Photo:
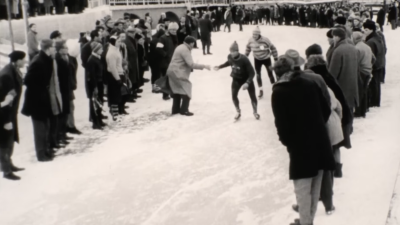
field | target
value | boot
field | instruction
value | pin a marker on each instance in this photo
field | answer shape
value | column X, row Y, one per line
column 16, row 169
column 330, row 211
column 97, row 127
column 187, row 114
column 261, row 94
column 11, row 176
column 338, row 171
column 238, row 115
column 257, row 116
column 295, row 208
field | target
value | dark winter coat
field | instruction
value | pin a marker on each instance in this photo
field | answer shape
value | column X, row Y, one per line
column 347, row 118
column 73, row 65
column 205, row 30
column 86, row 51
column 10, row 79
column 154, row 56
column 228, row 18
column 241, row 68
column 393, row 13
column 37, row 82
column 313, row 17
column 219, row 16
column 94, row 70
column 381, row 17
column 301, row 113
column 64, row 75
column 133, row 62
column 377, row 47
column 341, row 66
column 167, row 44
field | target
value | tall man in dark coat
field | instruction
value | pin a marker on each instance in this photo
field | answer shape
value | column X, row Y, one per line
column 299, row 100
column 381, row 17
column 37, row 103
column 133, row 61
column 166, row 46
column 376, row 44
column 205, row 33
column 154, row 57
column 10, row 94
column 219, row 18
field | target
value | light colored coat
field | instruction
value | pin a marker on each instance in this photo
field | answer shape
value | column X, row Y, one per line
column 334, row 123
column 343, row 66
column 179, row 70
column 114, row 62
column 365, row 56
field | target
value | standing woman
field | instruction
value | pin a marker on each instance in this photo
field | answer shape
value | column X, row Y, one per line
column 115, row 71
column 32, row 41
column 178, row 73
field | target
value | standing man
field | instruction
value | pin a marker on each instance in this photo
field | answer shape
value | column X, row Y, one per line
column 381, row 17
column 262, row 49
column 308, row 142
column 228, row 19
column 37, row 98
column 240, row 17
column 205, row 33
column 10, row 94
column 166, row 46
column 219, row 19
column 33, row 43
column 376, row 44
column 343, row 65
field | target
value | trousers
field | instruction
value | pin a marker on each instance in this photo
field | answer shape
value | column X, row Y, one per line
column 6, row 149
column 267, row 64
column 71, row 117
column 236, row 85
column 41, row 130
column 307, row 194
column 180, row 104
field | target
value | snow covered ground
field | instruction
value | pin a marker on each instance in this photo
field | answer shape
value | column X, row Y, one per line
column 159, row 170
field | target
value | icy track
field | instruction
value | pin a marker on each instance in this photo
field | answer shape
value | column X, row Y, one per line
column 154, row 169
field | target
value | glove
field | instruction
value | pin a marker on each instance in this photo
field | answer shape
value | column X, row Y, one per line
column 7, row 101
column 275, row 59
column 245, row 86
column 8, row 126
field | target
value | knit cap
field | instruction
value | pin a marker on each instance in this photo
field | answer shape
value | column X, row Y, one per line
column 369, row 24
column 339, row 32
column 95, row 46
column 234, row 47
column 257, row 31
column 314, row 49
column 173, row 25
column 59, row 45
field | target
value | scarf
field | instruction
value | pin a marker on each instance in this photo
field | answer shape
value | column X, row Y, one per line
column 55, row 93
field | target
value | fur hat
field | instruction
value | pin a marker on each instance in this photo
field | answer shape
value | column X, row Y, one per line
column 234, row 47
column 283, row 65
column 314, row 49
column 189, row 40
column 173, row 25
column 55, row 34
column 95, row 46
column 339, row 32
column 257, row 31
column 16, row 55
column 295, row 56
column 369, row 24
column 329, row 34
column 60, row 44
column 357, row 36
column 315, row 60
column 341, row 20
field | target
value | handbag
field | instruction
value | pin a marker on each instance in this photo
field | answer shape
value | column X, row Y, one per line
column 163, row 84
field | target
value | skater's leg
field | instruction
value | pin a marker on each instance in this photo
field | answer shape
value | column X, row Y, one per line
column 267, row 63
column 252, row 94
column 235, row 91
column 257, row 67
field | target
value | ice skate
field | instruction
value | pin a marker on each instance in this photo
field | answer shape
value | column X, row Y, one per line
column 331, row 211
column 237, row 117
column 261, row 94
column 257, row 116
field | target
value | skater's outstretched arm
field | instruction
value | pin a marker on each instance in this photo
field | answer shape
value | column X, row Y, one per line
column 226, row 64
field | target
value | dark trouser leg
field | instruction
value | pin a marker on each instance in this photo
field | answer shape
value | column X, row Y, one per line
column 70, row 117
column 257, row 67
column 327, row 190
column 267, row 63
column 252, row 94
column 383, row 75
column 375, row 89
column 41, row 128
column 203, row 45
column 240, row 25
column 155, row 74
column 176, row 103
column 6, row 150
column 185, row 104
column 93, row 113
column 63, row 125
column 54, row 128
column 164, row 73
column 229, row 28
column 394, row 24
column 381, row 26
column 235, row 91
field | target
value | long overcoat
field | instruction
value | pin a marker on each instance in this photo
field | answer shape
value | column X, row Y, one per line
column 179, row 70
column 11, row 79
